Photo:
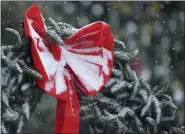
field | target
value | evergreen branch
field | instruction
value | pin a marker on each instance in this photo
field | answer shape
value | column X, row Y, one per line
column 111, row 82
column 54, row 24
column 166, row 97
column 123, row 96
column 65, row 25
column 26, row 110
column 66, row 30
column 137, row 123
column 168, row 119
column 151, row 125
column 125, row 56
column 146, row 107
column 5, row 99
column 117, row 73
column 11, row 64
column 29, row 71
column 119, row 86
column 164, row 132
column 155, row 89
column 157, row 109
column 10, row 115
column 119, row 44
column 88, row 117
column 20, row 77
column 54, row 37
column 143, row 95
column 16, row 33
column 25, row 86
column 15, row 48
column 176, row 130
column 168, row 103
column 20, row 125
column 3, row 129
column 163, row 89
column 145, row 85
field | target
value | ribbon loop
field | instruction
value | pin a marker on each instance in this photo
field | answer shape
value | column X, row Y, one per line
column 86, row 60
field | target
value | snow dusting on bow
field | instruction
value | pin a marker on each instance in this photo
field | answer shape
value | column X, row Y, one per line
column 45, row 55
column 87, row 68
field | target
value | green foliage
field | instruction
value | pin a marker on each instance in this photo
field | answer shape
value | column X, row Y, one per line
column 19, row 93
column 126, row 105
column 129, row 105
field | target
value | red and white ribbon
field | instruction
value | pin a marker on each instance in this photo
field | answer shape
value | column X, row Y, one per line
column 85, row 60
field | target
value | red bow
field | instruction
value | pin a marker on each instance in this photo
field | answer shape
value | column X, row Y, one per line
column 86, row 59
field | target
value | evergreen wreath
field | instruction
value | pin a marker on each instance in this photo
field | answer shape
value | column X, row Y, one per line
column 127, row 104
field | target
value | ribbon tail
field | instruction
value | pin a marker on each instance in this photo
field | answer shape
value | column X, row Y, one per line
column 67, row 114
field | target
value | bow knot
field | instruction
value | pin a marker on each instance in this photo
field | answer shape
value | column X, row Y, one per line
column 85, row 60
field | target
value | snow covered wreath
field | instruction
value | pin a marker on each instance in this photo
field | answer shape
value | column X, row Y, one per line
column 67, row 59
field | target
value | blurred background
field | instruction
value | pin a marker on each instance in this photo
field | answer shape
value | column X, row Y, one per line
column 156, row 28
